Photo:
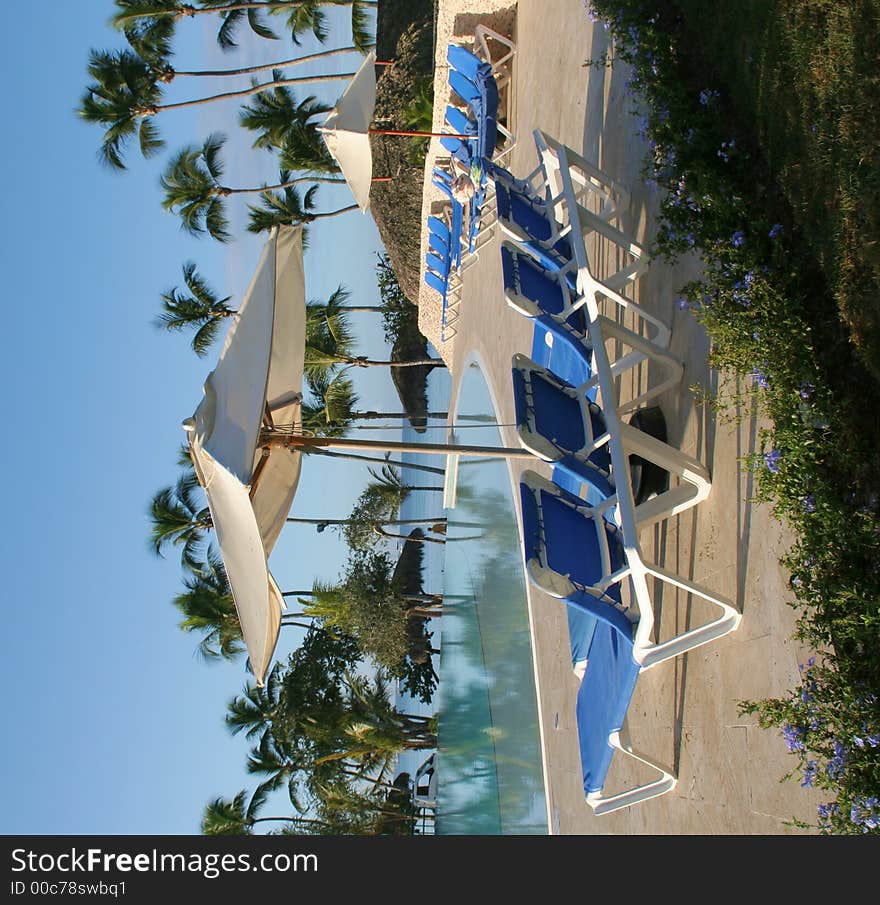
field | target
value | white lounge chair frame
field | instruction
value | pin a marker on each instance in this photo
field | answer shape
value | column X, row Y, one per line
column 695, row 481
column 572, row 301
column 646, row 652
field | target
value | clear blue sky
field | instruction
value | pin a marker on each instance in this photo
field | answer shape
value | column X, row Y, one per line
column 112, row 724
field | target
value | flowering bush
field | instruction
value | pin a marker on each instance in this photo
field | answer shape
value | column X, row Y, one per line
column 765, row 304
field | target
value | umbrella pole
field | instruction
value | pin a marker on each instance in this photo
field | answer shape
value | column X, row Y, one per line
column 419, row 134
column 295, row 440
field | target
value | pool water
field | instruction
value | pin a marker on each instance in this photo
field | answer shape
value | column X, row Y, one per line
column 490, row 777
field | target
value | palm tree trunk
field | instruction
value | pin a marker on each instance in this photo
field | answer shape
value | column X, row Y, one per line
column 281, row 64
column 349, row 521
column 338, row 180
column 185, row 9
column 376, row 416
column 421, row 540
column 341, row 210
column 242, row 92
column 363, row 362
column 427, row 612
column 431, row 469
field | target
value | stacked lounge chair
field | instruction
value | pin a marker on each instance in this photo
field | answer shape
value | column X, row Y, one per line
column 580, row 527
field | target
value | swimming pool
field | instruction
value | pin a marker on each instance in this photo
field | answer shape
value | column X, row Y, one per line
column 490, row 777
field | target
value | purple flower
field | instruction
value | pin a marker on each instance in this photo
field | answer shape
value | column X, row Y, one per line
column 681, row 304
column 760, row 378
column 811, row 769
column 827, row 810
column 873, row 741
column 775, row 230
column 793, row 737
column 771, row 460
column 707, row 96
column 806, row 390
column 738, row 238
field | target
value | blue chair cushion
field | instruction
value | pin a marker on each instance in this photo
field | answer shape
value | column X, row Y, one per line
column 437, row 264
column 466, row 90
column 603, row 699
column 517, row 208
column 581, row 626
column 438, row 228
column 437, row 245
column 568, row 357
column 460, row 122
column 572, row 546
column 463, row 60
column 436, row 282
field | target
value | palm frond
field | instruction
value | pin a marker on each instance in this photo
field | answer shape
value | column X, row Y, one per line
column 148, row 138
column 211, row 149
column 258, row 26
column 360, row 35
column 230, row 20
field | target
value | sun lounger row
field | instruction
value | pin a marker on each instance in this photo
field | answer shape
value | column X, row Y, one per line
column 580, row 528
column 472, row 140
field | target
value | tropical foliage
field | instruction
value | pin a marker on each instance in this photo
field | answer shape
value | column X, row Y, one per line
column 740, row 150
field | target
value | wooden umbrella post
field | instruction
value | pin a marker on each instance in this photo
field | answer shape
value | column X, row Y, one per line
column 418, row 134
column 299, row 441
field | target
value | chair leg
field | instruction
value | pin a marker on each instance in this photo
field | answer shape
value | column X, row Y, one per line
column 650, row 654
column 695, row 485
column 602, row 804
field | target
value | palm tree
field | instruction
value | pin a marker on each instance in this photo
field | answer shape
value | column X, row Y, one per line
column 332, row 413
column 200, row 309
column 178, row 520
column 389, row 483
column 208, row 607
column 256, row 710
column 302, row 16
column 286, row 208
column 237, row 817
column 126, row 94
column 193, row 191
column 273, row 114
column 330, row 341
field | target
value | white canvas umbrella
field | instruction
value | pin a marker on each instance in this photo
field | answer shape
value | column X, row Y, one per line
column 257, row 382
column 346, row 131
column 246, row 438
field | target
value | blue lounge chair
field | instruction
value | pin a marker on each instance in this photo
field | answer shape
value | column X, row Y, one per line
column 564, row 350
column 456, row 227
column 438, row 246
column 534, row 223
column 574, row 553
column 533, row 288
column 438, row 228
column 466, row 90
column 531, row 225
column 462, row 60
column 557, row 423
column 440, row 276
column 562, row 424
column 460, row 122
